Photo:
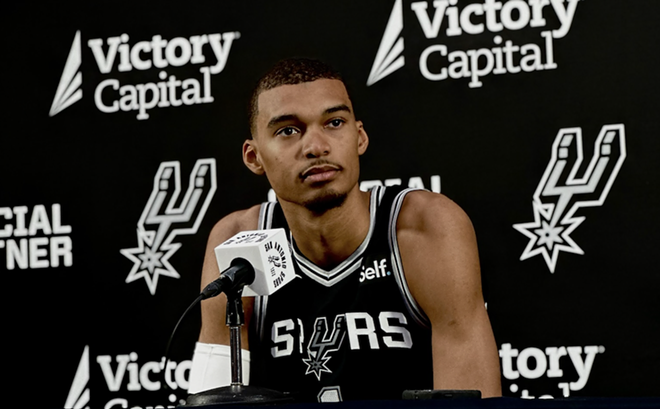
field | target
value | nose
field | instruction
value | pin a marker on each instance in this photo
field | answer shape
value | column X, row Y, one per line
column 315, row 144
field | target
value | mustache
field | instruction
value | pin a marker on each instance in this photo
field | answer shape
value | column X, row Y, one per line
column 318, row 162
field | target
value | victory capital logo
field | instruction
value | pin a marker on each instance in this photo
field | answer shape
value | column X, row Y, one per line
column 160, row 85
column 561, row 193
column 490, row 25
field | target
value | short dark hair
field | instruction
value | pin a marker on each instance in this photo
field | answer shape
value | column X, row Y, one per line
column 290, row 71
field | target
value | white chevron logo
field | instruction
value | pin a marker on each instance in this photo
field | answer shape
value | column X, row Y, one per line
column 79, row 393
column 389, row 57
column 68, row 90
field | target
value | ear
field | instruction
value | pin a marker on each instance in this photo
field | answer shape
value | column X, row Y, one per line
column 363, row 138
column 251, row 158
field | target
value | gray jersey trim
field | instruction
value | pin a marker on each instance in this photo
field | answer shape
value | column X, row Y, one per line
column 261, row 302
column 266, row 215
column 412, row 306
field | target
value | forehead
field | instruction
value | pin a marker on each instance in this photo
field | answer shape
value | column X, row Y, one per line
column 304, row 99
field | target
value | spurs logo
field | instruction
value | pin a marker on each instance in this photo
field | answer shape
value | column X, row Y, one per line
column 322, row 343
column 560, row 194
column 162, row 220
column 275, row 260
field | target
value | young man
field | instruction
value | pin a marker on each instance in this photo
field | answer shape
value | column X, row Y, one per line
column 389, row 290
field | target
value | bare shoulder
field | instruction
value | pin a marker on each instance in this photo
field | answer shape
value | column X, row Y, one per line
column 433, row 213
column 439, row 252
column 234, row 223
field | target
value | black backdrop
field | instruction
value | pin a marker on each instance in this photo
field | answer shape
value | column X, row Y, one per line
column 75, row 180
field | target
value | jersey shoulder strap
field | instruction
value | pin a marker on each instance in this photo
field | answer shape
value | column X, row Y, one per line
column 397, row 196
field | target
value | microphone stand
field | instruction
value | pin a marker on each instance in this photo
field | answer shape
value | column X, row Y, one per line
column 236, row 393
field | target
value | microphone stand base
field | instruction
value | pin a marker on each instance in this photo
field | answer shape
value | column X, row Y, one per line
column 236, row 395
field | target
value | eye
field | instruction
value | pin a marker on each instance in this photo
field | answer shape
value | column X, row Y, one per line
column 287, row 131
column 336, row 123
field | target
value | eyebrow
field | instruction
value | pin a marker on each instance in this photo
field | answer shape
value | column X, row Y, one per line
column 292, row 117
column 338, row 108
column 282, row 118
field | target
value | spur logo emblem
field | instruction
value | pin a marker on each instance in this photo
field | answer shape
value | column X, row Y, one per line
column 561, row 193
column 322, row 343
column 162, row 220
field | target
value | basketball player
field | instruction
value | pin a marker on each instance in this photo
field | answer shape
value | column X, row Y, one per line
column 388, row 294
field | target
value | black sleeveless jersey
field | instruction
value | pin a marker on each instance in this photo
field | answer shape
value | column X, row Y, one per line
column 354, row 332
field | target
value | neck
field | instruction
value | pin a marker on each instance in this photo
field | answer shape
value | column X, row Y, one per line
column 331, row 237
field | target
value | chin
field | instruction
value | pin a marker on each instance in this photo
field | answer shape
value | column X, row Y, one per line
column 326, row 201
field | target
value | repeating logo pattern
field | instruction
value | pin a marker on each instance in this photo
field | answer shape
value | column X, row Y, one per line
column 442, row 19
column 117, row 54
column 560, row 364
column 561, row 193
column 124, row 375
column 162, row 221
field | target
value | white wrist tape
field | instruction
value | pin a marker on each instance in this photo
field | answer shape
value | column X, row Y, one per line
column 211, row 367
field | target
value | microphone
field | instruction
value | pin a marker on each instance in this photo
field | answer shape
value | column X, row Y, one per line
column 233, row 278
column 260, row 260
column 260, row 264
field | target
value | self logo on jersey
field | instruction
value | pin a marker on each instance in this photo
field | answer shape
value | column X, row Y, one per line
column 160, row 86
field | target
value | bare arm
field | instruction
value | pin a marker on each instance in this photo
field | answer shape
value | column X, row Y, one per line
column 214, row 330
column 439, row 253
